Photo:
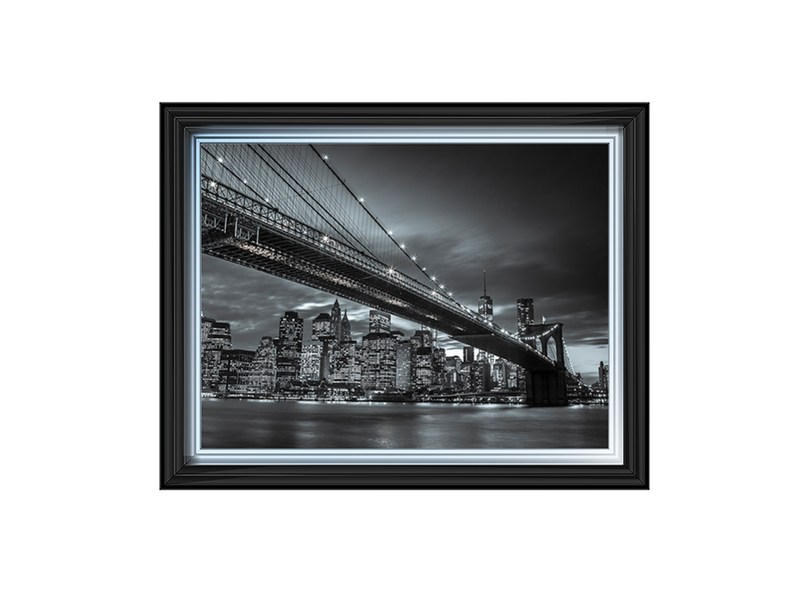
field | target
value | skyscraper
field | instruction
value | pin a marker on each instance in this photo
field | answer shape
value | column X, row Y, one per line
column 289, row 348
column 403, row 365
column 485, row 307
column 238, row 374
column 311, row 360
column 499, row 374
column 422, row 361
column 439, row 375
column 216, row 337
column 452, row 371
column 335, row 317
column 379, row 371
column 524, row 314
column 344, row 366
column 346, row 329
column 468, row 354
column 603, row 375
column 265, row 366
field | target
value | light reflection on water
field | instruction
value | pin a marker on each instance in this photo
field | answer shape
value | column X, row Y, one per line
column 309, row 424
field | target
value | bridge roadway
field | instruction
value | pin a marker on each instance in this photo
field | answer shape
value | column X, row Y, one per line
column 247, row 231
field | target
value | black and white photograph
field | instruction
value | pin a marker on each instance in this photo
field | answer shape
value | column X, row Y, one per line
column 405, row 296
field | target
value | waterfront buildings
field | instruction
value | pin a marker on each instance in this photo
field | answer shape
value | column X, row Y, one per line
column 331, row 358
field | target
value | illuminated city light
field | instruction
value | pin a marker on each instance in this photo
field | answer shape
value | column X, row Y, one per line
column 390, row 232
column 414, row 258
column 402, row 245
column 442, row 286
column 213, row 184
column 220, row 159
column 362, row 200
column 325, row 156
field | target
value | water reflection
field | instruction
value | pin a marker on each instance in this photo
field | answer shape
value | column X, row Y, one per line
column 262, row 424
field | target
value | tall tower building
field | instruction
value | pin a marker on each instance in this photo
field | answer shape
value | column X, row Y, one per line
column 403, row 365
column 346, row 329
column 216, row 339
column 422, row 365
column 311, row 360
column 344, row 366
column 335, row 317
column 289, row 349
column 524, row 314
column 439, row 367
column 265, row 366
column 485, row 307
column 603, row 375
column 468, row 354
column 379, row 371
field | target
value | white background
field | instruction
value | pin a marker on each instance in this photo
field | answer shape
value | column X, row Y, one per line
column 84, row 519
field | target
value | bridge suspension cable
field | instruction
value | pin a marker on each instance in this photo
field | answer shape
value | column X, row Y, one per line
column 567, row 355
column 396, row 243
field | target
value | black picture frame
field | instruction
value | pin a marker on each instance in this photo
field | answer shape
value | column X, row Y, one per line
column 178, row 124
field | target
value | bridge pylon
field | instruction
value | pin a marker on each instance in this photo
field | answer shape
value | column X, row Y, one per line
column 546, row 388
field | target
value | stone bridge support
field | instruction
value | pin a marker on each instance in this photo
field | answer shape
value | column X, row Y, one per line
column 546, row 388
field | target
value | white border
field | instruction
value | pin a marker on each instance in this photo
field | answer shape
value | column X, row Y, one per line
column 613, row 455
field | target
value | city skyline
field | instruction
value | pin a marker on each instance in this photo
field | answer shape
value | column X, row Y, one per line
column 533, row 217
column 382, row 360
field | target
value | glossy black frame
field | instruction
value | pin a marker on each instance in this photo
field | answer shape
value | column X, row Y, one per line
column 178, row 121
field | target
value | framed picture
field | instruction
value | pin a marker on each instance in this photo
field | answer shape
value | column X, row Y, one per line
column 404, row 296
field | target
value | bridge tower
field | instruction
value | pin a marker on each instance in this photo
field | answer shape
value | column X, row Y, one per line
column 546, row 387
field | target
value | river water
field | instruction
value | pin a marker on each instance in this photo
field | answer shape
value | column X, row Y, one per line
column 230, row 423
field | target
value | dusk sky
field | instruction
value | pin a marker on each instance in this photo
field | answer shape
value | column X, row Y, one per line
column 533, row 216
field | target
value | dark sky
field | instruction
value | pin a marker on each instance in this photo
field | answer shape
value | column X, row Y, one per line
column 533, row 216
